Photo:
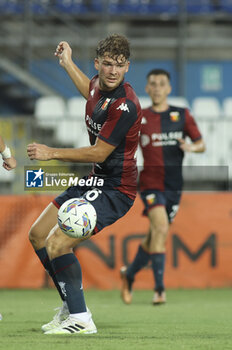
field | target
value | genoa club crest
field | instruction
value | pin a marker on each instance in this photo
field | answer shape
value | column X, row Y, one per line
column 174, row 116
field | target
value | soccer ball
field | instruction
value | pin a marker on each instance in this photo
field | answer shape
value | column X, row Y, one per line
column 77, row 218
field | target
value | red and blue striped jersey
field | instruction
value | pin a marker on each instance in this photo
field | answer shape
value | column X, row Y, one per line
column 160, row 147
column 115, row 117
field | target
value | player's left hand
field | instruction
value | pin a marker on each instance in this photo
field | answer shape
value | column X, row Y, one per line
column 186, row 147
column 39, row 151
column 9, row 163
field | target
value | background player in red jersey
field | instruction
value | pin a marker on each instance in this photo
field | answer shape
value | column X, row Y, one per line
column 163, row 144
column 113, row 120
column 9, row 161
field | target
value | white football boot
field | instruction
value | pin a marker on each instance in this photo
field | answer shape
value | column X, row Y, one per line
column 74, row 326
column 59, row 317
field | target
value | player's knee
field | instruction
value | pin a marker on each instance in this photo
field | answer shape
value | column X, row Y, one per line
column 55, row 247
column 159, row 236
column 163, row 231
column 34, row 236
column 160, row 230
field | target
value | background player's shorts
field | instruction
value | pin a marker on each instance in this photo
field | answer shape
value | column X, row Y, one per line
column 169, row 199
column 110, row 204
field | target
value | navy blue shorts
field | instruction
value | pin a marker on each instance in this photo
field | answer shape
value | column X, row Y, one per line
column 169, row 199
column 110, row 204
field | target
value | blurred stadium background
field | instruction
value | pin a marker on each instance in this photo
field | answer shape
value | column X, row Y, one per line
column 38, row 102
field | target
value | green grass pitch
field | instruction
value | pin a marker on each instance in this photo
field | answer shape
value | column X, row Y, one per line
column 191, row 320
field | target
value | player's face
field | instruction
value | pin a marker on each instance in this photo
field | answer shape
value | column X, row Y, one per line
column 158, row 88
column 111, row 72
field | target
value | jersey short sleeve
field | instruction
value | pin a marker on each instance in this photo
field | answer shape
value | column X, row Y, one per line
column 122, row 115
column 191, row 128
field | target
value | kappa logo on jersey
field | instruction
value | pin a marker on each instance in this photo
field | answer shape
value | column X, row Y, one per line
column 34, row 178
column 92, row 92
column 105, row 104
column 123, row 107
column 174, row 116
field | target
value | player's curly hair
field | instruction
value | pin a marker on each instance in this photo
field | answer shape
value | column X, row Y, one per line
column 114, row 45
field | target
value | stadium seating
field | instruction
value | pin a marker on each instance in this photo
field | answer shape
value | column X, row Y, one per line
column 76, row 107
column 67, row 120
column 178, row 101
column 116, row 7
column 227, row 107
column 120, row 6
column 49, row 110
column 72, row 133
column 139, row 6
column 226, row 5
column 217, row 142
column 163, row 6
column 41, row 7
column 206, row 107
column 208, row 114
column 199, row 6
column 71, row 6
column 97, row 6
column 11, row 7
column 228, row 141
column 66, row 133
column 71, row 130
column 6, row 176
column 145, row 101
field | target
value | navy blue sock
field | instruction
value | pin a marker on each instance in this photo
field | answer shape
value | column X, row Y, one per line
column 141, row 259
column 67, row 270
column 43, row 256
column 158, row 263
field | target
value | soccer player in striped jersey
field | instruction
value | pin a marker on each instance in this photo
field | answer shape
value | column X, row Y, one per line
column 163, row 145
column 113, row 121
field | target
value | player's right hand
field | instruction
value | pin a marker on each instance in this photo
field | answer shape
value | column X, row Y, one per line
column 39, row 152
column 64, row 53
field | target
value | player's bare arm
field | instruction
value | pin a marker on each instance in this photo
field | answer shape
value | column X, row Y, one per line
column 2, row 144
column 9, row 161
column 196, row 147
column 81, row 81
column 91, row 154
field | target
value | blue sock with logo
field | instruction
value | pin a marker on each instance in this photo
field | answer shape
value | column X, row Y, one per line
column 67, row 270
column 158, row 264
column 141, row 259
column 43, row 257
